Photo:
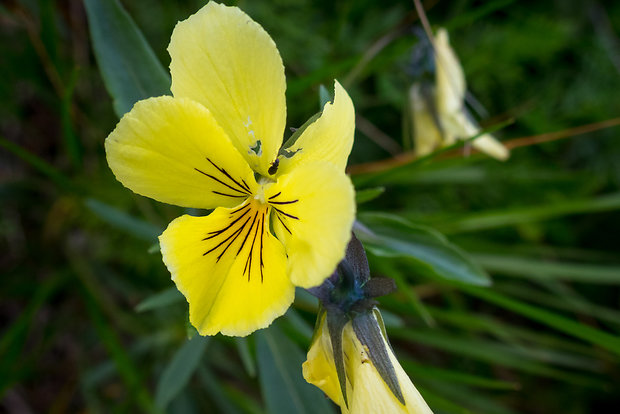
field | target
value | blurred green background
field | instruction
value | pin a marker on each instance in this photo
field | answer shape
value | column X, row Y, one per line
column 90, row 321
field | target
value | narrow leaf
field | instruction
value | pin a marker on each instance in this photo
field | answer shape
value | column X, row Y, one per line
column 390, row 236
column 576, row 329
column 129, row 68
column 159, row 300
column 246, row 358
column 123, row 221
column 282, row 384
column 368, row 194
column 179, row 370
column 523, row 266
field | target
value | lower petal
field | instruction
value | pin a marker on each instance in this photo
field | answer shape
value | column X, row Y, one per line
column 230, row 269
column 462, row 127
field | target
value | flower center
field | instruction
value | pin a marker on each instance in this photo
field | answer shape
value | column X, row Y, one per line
column 263, row 184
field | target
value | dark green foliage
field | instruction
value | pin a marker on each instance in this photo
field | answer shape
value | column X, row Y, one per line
column 88, row 318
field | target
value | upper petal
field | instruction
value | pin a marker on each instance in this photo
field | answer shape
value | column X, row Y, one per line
column 230, row 269
column 226, row 61
column 172, row 150
column 329, row 138
column 313, row 208
column 449, row 75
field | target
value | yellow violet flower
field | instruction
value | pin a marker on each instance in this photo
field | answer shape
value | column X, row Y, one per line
column 367, row 392
column 447, row 121
column 278, row 221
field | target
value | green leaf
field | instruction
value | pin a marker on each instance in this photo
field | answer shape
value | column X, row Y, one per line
column 536, row 268
column 123, row 221
column 129, row 68
column 282, row 384
column 159, row 300
column 570, row 303
column 124, row 364
column 418, row 370
column 491, row 352
column 578, row 330
column 295, row 136
column 390, row 236
column 507, row 217
column 217, row 394
column 38, row 164
column 246, row 357
column 179, row 370
column 368, row 194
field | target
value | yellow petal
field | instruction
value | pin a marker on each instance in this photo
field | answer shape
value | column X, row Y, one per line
column 426, row 134
column 230, row 269
column 313, row 211
column 459, row 125
column 450, row 95
column 367, row 392
column 489, row 145
column 329, row 138
column 319, row 369
column 226, row 61
column 172, row 150
column 449, row 76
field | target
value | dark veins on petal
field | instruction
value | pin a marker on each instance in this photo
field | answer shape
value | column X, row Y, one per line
column 245, row 221
column 239, row 188
column 280, row 214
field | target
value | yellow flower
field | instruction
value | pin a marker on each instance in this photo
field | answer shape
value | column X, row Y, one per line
column 280, row 221
column 439, row 116
column 367, row 392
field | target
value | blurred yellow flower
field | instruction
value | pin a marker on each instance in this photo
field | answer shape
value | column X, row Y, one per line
column 280, row 221
column 438, row 113
column 367, row 392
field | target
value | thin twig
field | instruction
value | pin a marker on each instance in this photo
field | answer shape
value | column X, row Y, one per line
column 46, row 61
column 399, row 30
column 407, row 157
column 566, row 133
column 377, row 136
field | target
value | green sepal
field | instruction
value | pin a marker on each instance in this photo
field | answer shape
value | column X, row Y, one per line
column 369, row 334
column 379, row 286
column 293, row 138
column 335, row 325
